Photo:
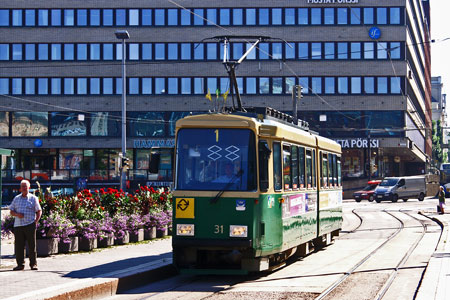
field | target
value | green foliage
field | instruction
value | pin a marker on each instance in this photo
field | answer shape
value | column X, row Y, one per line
column 438, row 154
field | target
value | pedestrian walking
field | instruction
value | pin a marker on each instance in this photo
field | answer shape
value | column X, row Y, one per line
column 27, row 211
column 441, row 200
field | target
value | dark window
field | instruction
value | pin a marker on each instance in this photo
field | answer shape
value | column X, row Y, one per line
column 381, row 15
column 238, row 16
column 263, row 16
column 107, row 17
column 382, row 85
column 69, row 17
column 224, row 16
column 250, row 16
column 133, row 17
column 342, row 16
column 342, row 85
column 108, row 51
column 172, row 51
column 330, row 85
column 172, row 86
column 94, row 17
column 276, row 16
column 185, row 17
column 199, row 16
column 43, row 51
column 369, row 85
column 30, row 51
column 368, row 15
column 30, row 17
column 301, row 167
column 146, row 17
column 172, row 17
column 16, row 18
column 316, row 85
column 211, row 16
column 94, row 86
column 328, row 16
column 43, row 17
column 17, row 53
column 289, row 16
column 4, row 51
column 4, row 17
column 107, row 86
column 43, row 86
column 342, row 51
column 329, row 50
column 309, row 170
column 394, row 15
column 355, row 49
column 56, row 52
column 120, row 17
column 355, row 15
column 81, row 17
column 303, row 16
column 56, row 17
column 185, row 51
column 316, row 16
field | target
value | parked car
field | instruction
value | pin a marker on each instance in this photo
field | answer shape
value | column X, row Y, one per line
column 394, row 188
column 367, row 192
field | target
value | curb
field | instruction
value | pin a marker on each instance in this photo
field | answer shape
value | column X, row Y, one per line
column 429, row 287
column 105, row 285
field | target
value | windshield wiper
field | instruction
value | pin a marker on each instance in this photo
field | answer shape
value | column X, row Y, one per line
column 219, row 194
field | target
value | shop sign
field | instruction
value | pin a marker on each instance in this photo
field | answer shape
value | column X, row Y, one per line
column 358, row 143
column 147, row 144
column 333, row 1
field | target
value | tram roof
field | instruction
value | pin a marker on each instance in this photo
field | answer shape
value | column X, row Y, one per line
column 269, row 127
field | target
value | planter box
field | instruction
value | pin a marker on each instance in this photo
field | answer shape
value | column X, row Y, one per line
column 150, row 233
column 46, row 247
column 137, row 237
column 161, row 232
column 122, row 241
column 68, row 247
column 106, row 242
column 85, row 244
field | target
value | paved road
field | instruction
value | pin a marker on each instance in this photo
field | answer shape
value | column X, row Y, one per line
column 391, row 246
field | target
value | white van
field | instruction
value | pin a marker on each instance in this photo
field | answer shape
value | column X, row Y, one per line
column 407, row 187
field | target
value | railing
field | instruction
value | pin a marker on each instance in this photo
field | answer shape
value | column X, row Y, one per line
column 73, row 174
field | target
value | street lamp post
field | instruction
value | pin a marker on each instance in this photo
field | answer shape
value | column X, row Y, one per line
column 123, row 35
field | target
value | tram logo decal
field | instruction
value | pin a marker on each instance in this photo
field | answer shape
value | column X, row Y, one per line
column 214, row 153
column 184, row 208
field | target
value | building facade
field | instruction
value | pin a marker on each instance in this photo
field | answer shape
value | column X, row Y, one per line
column 364, row 67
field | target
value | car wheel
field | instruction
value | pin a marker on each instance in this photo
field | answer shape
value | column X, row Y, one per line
column 404, row 200
column 421, row 196
column 358, row 200
column 371, row 198
column 395, row 198
column 378, row 200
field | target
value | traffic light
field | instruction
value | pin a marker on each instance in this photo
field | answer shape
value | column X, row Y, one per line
column 125, row 162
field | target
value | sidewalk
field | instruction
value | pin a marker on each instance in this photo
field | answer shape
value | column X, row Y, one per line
column 87, row 275
column 436, row 281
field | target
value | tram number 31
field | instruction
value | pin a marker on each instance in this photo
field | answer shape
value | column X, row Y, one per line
column 218, row 229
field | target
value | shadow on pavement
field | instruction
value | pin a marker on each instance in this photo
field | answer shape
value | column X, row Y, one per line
column 100, row 270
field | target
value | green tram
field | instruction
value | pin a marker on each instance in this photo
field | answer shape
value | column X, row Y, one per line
column 251, row 190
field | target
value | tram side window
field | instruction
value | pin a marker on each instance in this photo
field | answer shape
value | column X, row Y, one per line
column 301, row 163
column 324, row 170
column 277, row 182
column 339, row 178
column 330, row 170
column 264, row 154
column 334, row 168
column 309, row 172
column 287, row 167
column 294, row 167
column 314, row 168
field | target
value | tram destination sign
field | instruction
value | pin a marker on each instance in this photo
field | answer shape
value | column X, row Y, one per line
column 358, row 143
column 333, row 1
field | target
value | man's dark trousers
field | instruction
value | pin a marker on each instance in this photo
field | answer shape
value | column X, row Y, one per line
column 22, row 234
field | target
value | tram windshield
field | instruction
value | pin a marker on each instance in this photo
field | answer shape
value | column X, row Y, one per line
column 215, row 159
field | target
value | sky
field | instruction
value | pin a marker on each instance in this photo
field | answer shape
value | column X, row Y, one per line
column 440, row 51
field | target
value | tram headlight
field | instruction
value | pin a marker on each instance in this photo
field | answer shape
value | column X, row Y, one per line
column 185, row 229
column 238, row 231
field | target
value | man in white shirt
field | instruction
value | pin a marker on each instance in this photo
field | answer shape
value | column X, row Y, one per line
column 26, row 211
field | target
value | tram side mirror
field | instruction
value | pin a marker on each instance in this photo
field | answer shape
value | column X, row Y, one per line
column 264, row 154
column 154, row 163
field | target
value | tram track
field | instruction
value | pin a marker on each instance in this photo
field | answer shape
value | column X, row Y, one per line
column 392, row 276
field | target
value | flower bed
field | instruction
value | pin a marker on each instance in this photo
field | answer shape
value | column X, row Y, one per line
column 100, row 214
